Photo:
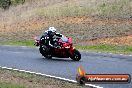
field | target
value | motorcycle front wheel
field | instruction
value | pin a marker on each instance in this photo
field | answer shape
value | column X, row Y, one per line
column 76, row 55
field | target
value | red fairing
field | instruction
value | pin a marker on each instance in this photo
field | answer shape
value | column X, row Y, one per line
column 71, row 51
column 65, row 44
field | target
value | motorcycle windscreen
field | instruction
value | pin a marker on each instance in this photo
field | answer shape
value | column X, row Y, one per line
column 64, row 39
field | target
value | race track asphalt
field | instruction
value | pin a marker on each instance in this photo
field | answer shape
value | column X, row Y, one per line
column 94, row 63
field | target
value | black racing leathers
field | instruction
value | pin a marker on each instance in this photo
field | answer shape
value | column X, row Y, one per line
column 48, row 41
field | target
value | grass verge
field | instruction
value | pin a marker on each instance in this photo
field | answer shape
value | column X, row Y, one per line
column 13, row 79
column 18, row 43
column 107, row 48
column 9, row 85
column 124, row 49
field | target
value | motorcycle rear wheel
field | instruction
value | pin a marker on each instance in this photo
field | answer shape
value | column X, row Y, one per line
column 48, row 56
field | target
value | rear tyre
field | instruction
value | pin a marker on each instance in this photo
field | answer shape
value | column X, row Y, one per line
column 76, row 55
column 43, row 52
column 49, row 56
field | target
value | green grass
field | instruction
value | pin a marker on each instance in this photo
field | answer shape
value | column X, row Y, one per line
column 19, row 43
column 9, row 85
column 125, row 49
column 108, row 48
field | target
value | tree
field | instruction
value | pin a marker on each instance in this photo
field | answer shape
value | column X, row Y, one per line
column 5, row 4
column 19, row 1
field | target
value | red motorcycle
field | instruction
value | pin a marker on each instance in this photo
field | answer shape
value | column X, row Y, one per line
column 65, row 50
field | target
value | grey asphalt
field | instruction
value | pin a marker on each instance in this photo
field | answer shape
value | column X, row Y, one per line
column 94, row 63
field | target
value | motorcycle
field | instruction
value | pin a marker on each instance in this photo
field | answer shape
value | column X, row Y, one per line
column 65, row 49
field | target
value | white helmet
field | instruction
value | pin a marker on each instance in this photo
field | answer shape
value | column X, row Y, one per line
column 52, row 29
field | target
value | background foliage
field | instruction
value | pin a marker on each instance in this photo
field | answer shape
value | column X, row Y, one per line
column 5, row 4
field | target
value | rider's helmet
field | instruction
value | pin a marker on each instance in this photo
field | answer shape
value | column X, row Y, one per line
column 51, row 31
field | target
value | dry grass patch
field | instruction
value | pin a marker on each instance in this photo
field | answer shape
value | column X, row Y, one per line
column 33, row 81
column 78, row 27
column 122, row 40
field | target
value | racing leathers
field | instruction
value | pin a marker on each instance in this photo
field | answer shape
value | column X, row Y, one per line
column 48, row 42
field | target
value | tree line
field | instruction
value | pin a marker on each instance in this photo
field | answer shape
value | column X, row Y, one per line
column 5, row 4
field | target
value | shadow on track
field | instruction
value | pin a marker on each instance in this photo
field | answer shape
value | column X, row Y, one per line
column 60, row 59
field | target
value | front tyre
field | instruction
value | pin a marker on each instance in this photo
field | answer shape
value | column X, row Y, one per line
column 76, row 56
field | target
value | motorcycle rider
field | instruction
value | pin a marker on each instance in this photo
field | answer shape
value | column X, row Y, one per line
column 47, row 39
